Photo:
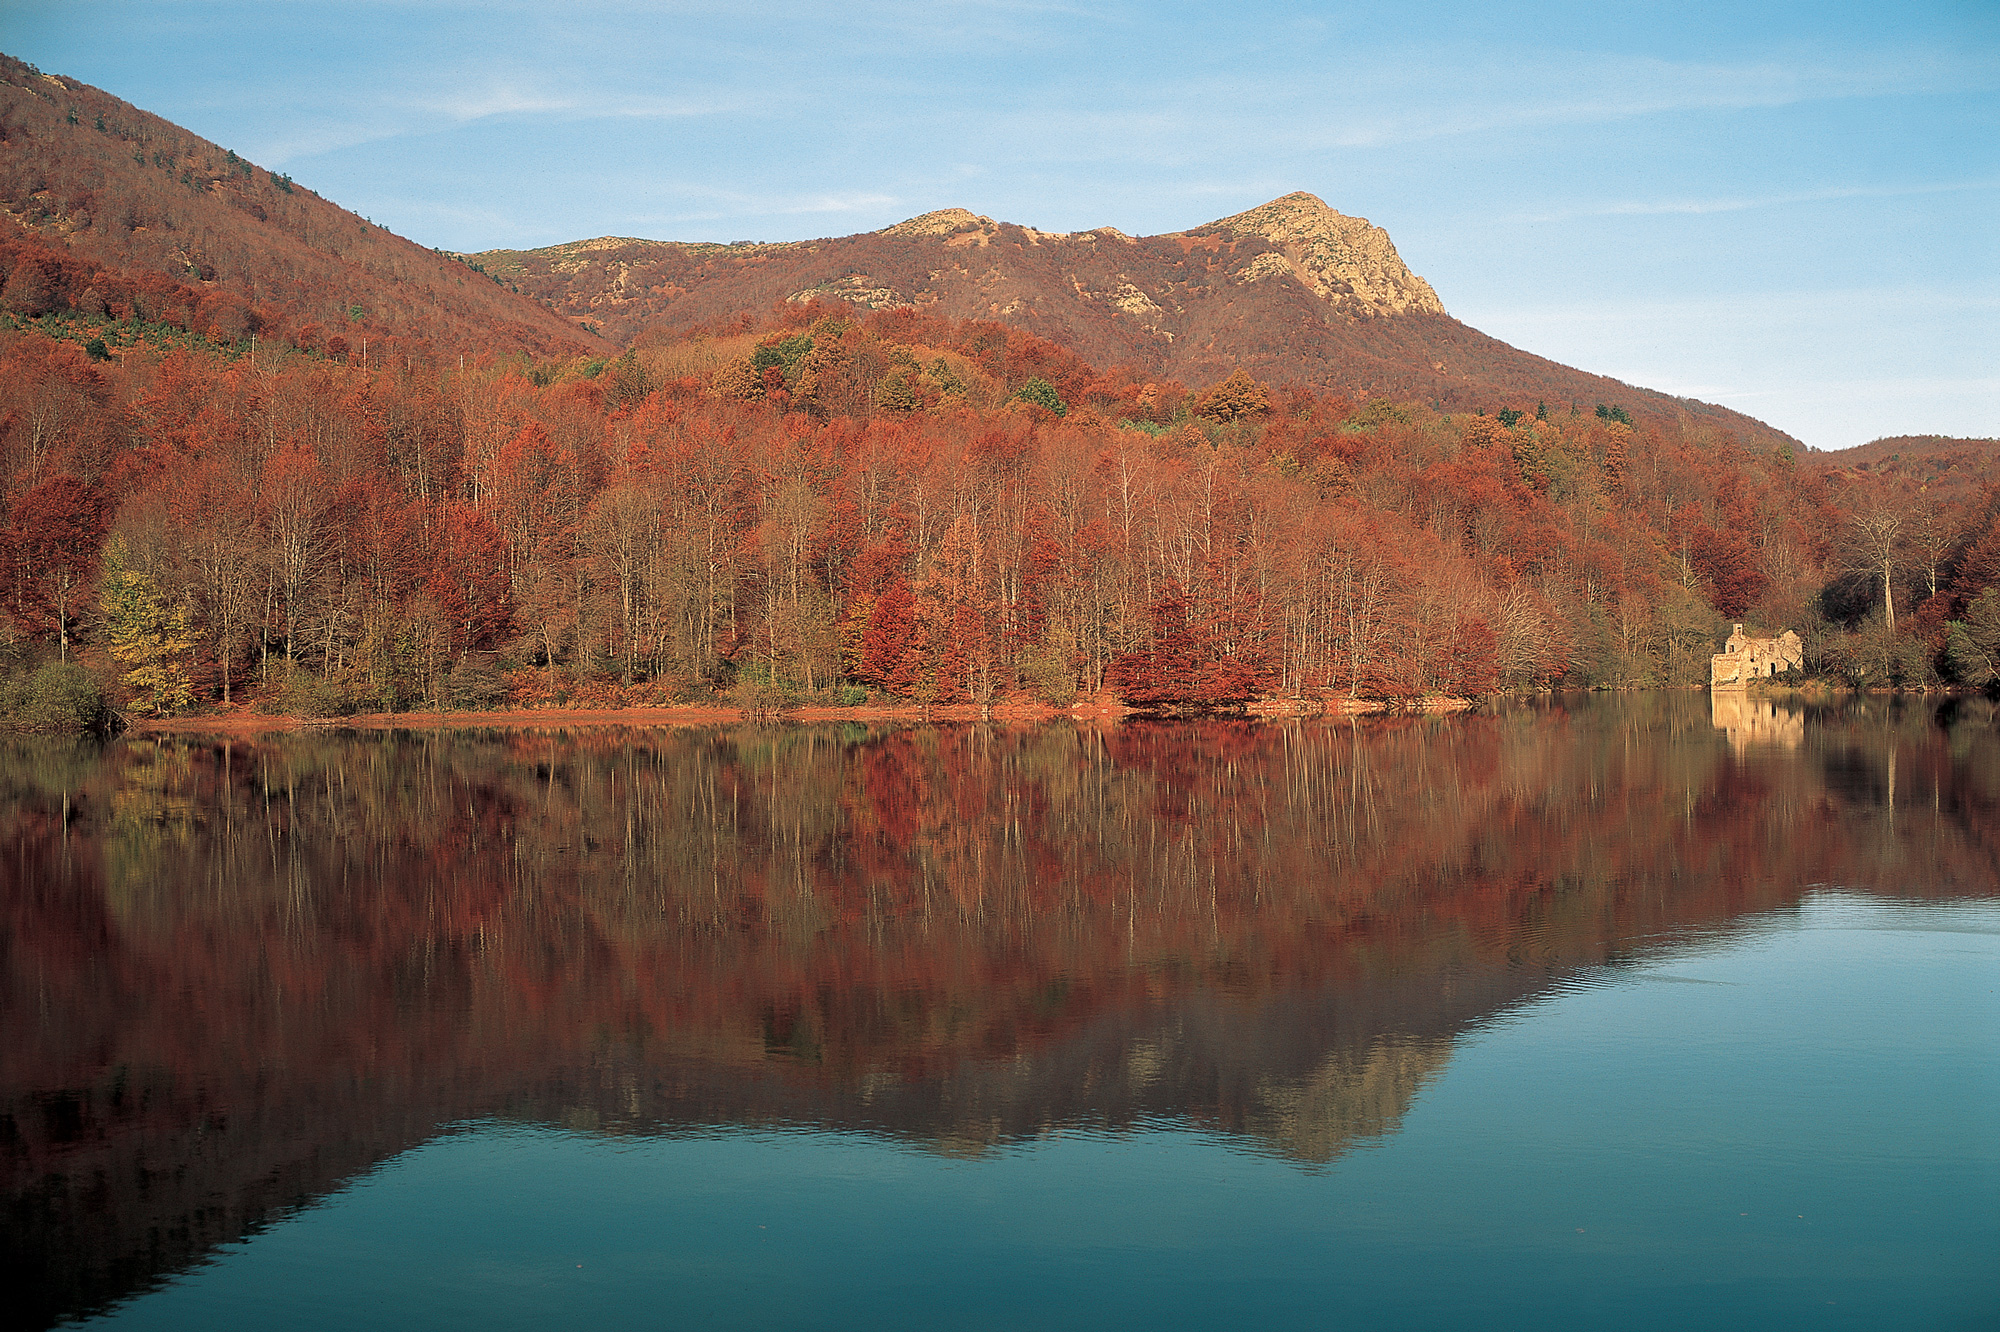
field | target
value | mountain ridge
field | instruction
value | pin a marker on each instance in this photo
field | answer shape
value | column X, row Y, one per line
column 1291, row 290
column 125, row 190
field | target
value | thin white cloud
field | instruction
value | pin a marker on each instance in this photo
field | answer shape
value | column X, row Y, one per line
column 1293, row 109
column 301, row 141
column 496, row 99
column 483, row 103
column 1728, row 204
column 841, row 203
column 382, row 119
column 1598, row 88
column 436, row 211
column 665, row 108
column 1762, row 308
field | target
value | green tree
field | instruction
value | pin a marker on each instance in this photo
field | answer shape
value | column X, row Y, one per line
column 1973, row 644
column 894, row 392
column 58, row 696
column 1043, row 394
column 149, row 639
column 948, row 383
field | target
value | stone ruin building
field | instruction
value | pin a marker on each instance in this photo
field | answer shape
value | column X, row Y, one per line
column 1744, row 659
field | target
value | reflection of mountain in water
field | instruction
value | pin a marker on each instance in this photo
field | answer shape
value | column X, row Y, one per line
column 1347, row 1100
column 1303, row 1078
column 237, row 975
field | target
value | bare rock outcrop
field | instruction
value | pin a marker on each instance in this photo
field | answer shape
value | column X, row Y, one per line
column 1345, row 260
column 941, row 222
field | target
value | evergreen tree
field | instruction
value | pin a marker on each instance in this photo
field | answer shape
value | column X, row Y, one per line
column 1043, row 394
column 894, row 392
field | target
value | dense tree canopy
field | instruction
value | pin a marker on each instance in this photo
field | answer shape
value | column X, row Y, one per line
column 824, row 503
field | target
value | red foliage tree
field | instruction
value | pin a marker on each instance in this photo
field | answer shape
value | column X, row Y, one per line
column 50, row 552
column 1475, row 659
column 466, row 580
column 1729, row 567
column 889, row 656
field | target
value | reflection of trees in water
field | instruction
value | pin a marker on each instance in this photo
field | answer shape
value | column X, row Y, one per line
column 237, row 972
column 1923, row 780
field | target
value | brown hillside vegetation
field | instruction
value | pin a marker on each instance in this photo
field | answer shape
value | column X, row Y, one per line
column 1293, row 292
column 1935, row 462
column 110, row 187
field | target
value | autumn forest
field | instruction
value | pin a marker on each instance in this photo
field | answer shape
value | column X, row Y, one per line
column 216, row 501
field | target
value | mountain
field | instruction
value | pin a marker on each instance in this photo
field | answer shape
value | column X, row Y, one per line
column 119, row 213
column 1293, row 291
column 105, row 199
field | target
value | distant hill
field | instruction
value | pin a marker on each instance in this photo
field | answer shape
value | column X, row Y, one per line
column 1939, row 463
column 1294, row 291
column 124, row 191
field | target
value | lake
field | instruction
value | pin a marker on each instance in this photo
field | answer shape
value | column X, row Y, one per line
column 1639, row 1011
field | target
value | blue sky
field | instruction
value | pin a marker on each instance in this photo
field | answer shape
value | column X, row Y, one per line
column 1792, row 209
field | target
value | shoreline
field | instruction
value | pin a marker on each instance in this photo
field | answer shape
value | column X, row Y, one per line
column 706, row 714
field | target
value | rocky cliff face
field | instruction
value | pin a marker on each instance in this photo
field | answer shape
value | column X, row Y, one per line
column 1345, row 260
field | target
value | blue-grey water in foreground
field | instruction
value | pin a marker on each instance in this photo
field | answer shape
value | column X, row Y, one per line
column 1799, row 1126
column 1608, row 1015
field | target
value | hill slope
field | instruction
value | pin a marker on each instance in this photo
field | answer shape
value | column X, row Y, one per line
column 1292, row 290
column 1939, row 463
column 124, row 190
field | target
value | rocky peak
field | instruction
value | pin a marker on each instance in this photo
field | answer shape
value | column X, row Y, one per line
column 1347, row 260
column 943, row 222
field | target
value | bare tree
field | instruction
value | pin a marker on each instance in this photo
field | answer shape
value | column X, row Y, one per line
column 621, row 534
column 1935, row 529
column 1875, row 542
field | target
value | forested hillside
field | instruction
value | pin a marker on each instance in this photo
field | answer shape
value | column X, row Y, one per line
column 1934, row 462
column 120, row 215
column 819, row 507
column 1293, row 292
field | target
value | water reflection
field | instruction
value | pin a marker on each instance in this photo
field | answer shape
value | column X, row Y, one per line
column 1751, row 721
column 236, row 974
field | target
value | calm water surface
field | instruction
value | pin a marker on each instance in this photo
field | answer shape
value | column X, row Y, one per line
column 1608, row 1013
